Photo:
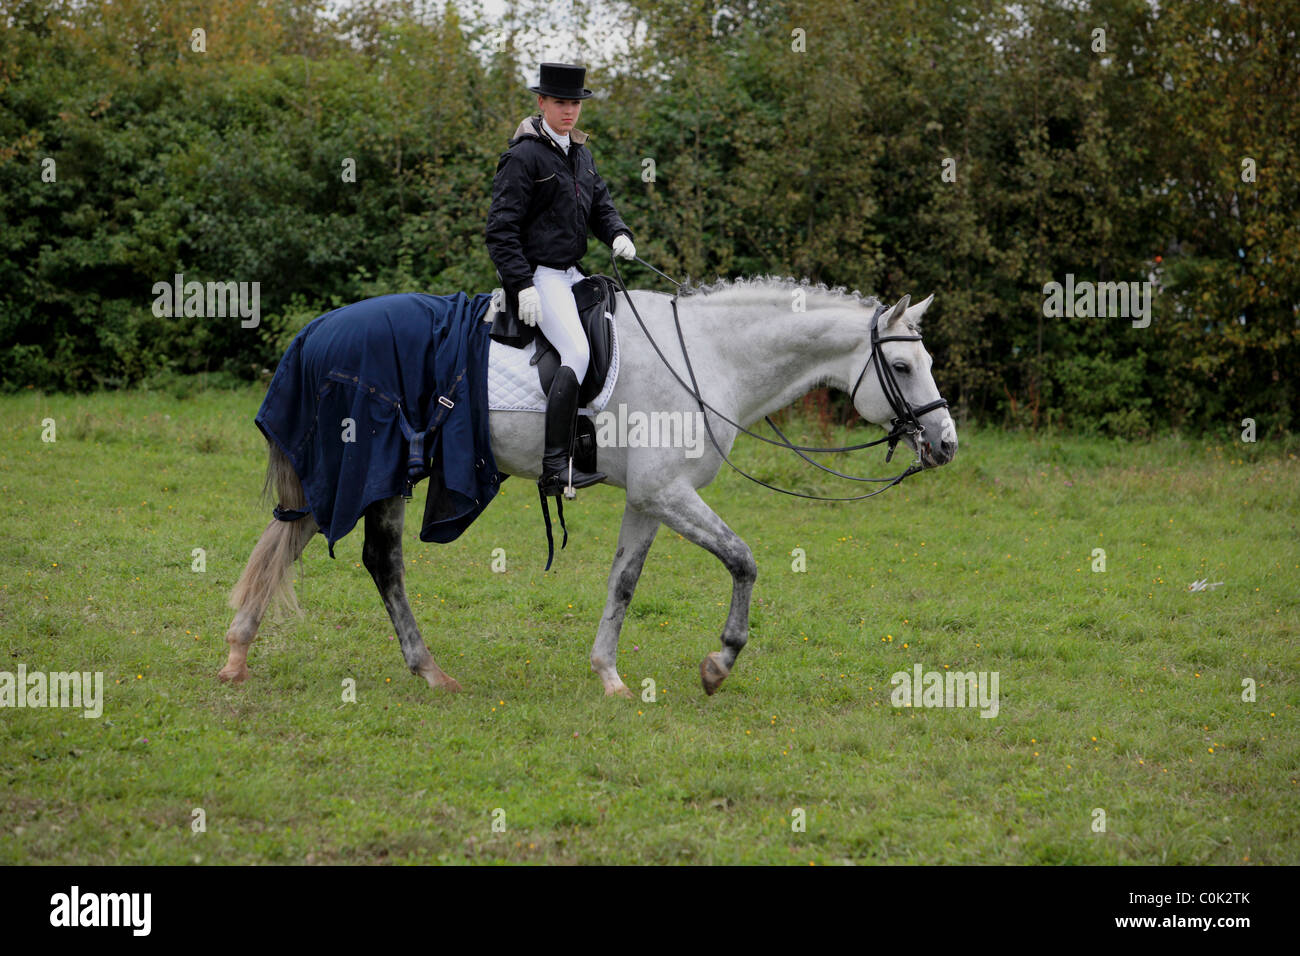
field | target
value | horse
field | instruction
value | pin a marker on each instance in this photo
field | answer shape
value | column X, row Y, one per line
column 749, row 347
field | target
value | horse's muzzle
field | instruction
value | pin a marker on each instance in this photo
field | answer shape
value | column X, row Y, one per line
column 932, row 457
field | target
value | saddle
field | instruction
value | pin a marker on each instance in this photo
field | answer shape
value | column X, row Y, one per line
column 595, row 295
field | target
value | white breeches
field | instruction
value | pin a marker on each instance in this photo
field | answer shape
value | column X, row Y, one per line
column 559, row 321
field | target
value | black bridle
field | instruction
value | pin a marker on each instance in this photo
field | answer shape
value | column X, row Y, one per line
column 905, row 422
column 906, row 417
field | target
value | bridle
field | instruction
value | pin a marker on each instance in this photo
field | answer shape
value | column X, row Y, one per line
column 904, row 424
column 906, row 417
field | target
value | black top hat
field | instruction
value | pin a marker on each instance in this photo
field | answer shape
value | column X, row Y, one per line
column 562, row 81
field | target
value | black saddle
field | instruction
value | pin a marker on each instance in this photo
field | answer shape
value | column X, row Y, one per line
column 594, row 296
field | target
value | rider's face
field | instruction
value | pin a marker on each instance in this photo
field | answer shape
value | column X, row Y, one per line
column 560, row 115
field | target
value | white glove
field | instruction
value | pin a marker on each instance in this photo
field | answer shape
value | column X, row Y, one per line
column 623, row 246
column 530, row 306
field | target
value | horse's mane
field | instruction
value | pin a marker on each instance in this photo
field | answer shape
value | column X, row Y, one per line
column 819, row 295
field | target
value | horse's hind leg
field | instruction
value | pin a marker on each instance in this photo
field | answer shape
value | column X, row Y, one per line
column 267, row 575
column 682, row 509
column 382, row 556
column 634, row 540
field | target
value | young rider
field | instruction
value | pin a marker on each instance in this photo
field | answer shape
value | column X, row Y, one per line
column 545, row 197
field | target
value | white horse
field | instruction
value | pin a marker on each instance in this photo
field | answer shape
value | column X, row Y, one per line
column 752, row 353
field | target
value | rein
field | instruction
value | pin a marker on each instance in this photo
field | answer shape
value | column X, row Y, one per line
column 904, row 423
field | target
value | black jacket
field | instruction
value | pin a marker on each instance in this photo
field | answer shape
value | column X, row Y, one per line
column 543, row 203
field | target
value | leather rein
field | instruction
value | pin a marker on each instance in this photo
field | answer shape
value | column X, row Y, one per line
column 905, row 422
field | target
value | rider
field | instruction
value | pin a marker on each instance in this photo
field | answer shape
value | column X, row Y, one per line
column 545, row 196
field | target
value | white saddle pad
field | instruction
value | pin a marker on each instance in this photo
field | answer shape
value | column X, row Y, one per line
column 513, row 385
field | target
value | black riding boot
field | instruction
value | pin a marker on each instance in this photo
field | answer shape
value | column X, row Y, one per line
column 558, row 474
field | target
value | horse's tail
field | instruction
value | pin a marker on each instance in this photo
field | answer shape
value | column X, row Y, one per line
column 268, row 575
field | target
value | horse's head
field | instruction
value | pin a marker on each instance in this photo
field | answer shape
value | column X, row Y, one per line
column 907, row 397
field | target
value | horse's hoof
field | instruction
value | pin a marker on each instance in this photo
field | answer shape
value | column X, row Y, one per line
column 712, row 672
column 233, row 675
column 439, row 680
column 619, row 691
column 435, row 676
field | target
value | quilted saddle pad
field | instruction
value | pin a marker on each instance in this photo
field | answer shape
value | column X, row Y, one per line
column 513, row 384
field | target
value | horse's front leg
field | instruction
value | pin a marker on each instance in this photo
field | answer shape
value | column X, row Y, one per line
column 382, row 556
column 634, row 540
column 682, row 509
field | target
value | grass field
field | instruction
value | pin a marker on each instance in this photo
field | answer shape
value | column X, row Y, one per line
column 1120, row 691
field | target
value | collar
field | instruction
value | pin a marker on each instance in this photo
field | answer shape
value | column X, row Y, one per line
column 531, row 126
column 563, row 141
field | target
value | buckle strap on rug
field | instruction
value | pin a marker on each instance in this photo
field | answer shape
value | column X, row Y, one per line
column 417, row 461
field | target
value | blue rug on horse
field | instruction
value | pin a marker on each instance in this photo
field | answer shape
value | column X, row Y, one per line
column 375, row 396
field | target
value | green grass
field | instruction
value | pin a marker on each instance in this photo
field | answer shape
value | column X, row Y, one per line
column 1119, row 690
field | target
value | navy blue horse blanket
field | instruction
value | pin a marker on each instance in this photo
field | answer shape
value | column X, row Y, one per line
column 375, row 396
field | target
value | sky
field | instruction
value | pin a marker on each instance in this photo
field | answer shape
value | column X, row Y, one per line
column 549, row 40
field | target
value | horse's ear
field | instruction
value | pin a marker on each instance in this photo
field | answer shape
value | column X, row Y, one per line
column 913, row 315
column 896, row 313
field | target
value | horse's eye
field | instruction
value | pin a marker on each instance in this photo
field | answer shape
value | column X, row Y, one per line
column 901, row 367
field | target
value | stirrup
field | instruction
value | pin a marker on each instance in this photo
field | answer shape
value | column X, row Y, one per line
column 561, row 483
column 570, row 492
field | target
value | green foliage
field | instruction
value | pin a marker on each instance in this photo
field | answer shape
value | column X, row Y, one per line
column 797, row 137
column 1100, row 393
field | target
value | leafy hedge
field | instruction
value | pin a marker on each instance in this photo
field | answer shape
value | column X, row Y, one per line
column 793, row 138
